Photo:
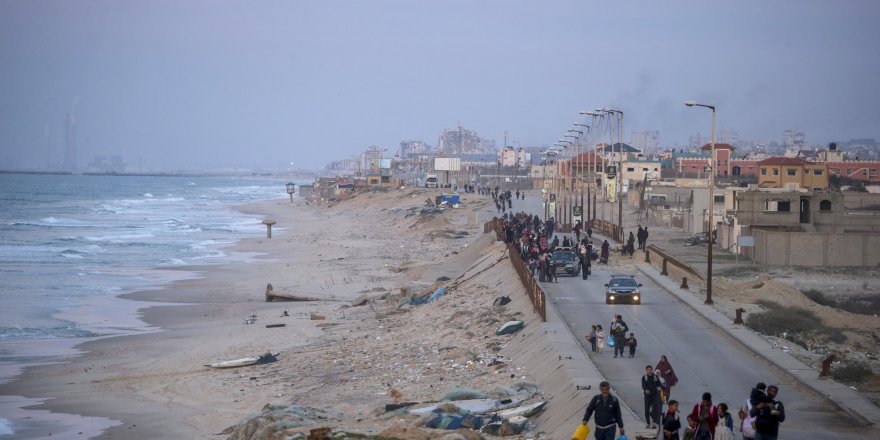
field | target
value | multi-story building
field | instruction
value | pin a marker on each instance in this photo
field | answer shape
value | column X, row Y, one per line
column 514, row 157
column 455, row 141
column 794, row 141
column 792, row 173
column 695, row 165
column 648, row 141
column 410, row 149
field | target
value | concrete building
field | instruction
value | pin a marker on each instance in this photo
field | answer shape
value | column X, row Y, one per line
column 695, row 165
column 798, row 228
column 514, row 157
column 455, row 141
column 792, row 173
column 794, row 140
column 637, row 170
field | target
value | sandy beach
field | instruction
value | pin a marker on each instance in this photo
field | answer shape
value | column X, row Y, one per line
column 156, row 384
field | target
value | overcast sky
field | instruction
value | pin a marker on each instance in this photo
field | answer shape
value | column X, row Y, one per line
column 215, row 83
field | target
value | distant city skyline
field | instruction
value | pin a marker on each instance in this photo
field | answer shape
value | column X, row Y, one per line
column 202, row 84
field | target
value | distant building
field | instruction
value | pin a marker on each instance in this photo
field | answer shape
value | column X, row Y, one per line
column 103, row 164
column 511, row 157
column 455, row 141
column 794, row 141
column 647, row 141
column 70, row 143
column 411, row 149
column 695, row 165
column 792, row 173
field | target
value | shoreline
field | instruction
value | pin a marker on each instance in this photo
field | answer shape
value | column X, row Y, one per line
column 24, row 397
column 145, row 379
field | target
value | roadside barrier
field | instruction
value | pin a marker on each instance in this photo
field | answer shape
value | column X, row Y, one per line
column 533, row 289
column 607, row 228
column 666, row 259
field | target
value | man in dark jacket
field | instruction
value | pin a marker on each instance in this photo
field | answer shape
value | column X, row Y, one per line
column 768, row 415
column 607, row 410
column 618, row 332
column 651, row 389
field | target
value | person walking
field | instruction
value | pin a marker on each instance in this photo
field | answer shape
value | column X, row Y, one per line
column 630, row 245
column 618, row 332
column 600, row 338
column 592, row 338
column 645, row 238
column 604, row 252
column 631, row 343
column 586, row 265
column 671, row 423
column 589, row 232
column 724, row 430
column 653, row 406
column 577, row 231
column 639, row 236
column 768, row 415
column 668, row 375
column 746, row 420
column 705, row 414
column 607, row 411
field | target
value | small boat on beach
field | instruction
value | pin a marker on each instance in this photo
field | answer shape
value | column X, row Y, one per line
column 272, row 295
column 246, row 361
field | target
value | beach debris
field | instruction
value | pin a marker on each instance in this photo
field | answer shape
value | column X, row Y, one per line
column 316, row 317
column 437, row 294
column 510, row 327
column 277, row 421
column 285, row 314
column 463, row 394
column 501, row 301
column 275, row 325
column 272, row 295
column 251, row 319
column 474, row 406
column 506, row 427
column 523, row 410
column 396, row 406
column 266, row 358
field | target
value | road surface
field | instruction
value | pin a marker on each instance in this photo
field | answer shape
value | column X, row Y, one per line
column 704, row 358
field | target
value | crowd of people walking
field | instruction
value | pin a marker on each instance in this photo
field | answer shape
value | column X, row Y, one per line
column 757, row 418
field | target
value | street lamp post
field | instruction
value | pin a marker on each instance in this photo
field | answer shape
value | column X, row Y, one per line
column 291, row 187
column 578, row 178
column 711, row 170
column 595, row 194
column 570, row 198
column 619, row 187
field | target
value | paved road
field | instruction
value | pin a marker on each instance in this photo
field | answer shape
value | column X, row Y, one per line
column 704, row 358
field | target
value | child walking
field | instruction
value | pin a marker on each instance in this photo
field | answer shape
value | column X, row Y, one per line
column 631, row 343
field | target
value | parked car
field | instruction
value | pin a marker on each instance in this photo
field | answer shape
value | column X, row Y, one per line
column 567, row 262
column 623, row 289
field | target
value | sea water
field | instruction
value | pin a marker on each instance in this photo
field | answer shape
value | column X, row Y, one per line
column 69, row 242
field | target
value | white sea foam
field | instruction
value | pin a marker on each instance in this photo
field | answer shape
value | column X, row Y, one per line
column 6, row 427
column 148, row 195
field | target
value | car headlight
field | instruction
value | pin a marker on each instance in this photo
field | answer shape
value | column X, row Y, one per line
column 611, row 297
column 636, row 297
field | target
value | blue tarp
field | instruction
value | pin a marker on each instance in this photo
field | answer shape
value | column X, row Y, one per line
column 452, row 199
column 437, row 294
